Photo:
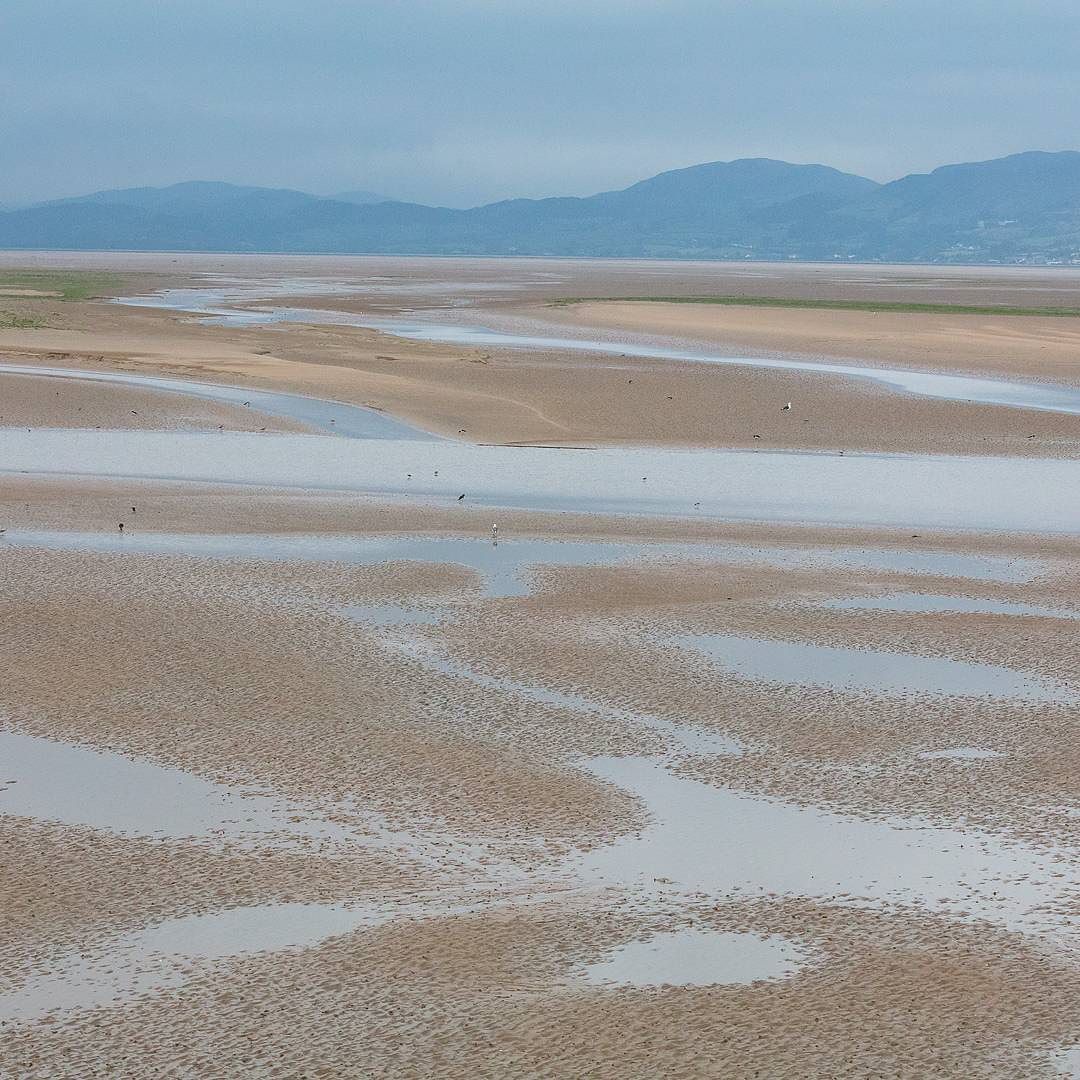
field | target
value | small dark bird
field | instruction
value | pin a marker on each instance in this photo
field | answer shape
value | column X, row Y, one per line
column 133, row 509
column 460, row 497
column 121, row 526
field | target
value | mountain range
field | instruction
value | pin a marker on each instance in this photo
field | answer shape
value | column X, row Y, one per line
column 1022, row 208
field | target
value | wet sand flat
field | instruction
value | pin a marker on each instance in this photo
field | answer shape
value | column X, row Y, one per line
column 310, row 771
column 563, row 397
column 516, row 824
column 1028, row 346
column 29, row 400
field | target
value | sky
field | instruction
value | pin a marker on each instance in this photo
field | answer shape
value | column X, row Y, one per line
column 459, row 102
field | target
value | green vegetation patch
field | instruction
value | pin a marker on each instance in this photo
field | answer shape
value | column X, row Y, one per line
column 60, row 284
column 832, row 305
column 10, row 321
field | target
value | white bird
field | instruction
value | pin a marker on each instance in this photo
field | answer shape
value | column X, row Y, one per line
column 786, row 407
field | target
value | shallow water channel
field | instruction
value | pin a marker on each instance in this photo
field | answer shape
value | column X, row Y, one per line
column 333, row 417
column 221, row 306
column 1014, row 494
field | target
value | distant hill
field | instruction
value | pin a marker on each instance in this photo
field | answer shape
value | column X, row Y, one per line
column 1023, row 205
column 192, row 197
column 1020, row 208
column 719, row 210
column 360, row 197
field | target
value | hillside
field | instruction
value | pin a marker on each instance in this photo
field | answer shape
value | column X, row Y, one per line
column 1026, row 204
column 1021, row 208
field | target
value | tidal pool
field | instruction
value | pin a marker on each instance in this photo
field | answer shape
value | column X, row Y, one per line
column 869, row 670
column 945, row 605
column 709, row 842
column 698, row 958
column 1067, row 1062
column 950, row 564
column 382, row 616
column 961, row 753
column 162, row 956
column 74, row 784
column 168, row 953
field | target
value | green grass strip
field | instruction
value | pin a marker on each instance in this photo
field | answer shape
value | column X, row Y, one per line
column 67, row 284
column 832, row 305
column 10, row 321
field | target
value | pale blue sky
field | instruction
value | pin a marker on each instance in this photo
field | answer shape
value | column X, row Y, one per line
column 465, row 101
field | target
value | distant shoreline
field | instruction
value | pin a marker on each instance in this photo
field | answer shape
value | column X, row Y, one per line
column 894, row 306
column 688, row 260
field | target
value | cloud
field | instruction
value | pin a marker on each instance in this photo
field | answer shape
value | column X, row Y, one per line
column 460, row 101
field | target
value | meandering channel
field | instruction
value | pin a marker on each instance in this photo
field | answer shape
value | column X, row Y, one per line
column 218, row 305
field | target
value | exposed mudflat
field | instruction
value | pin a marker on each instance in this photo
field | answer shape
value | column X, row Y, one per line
column 310, row 771
column 320, row 340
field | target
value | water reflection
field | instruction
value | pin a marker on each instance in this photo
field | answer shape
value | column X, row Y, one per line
column 1014, row 494
column 871, row 671
column 698, row 958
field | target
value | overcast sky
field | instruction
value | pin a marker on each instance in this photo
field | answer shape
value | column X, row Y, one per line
column 465, row 101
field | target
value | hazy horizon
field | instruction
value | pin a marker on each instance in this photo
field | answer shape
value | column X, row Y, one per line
column 389, row 196
column 463, row 102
